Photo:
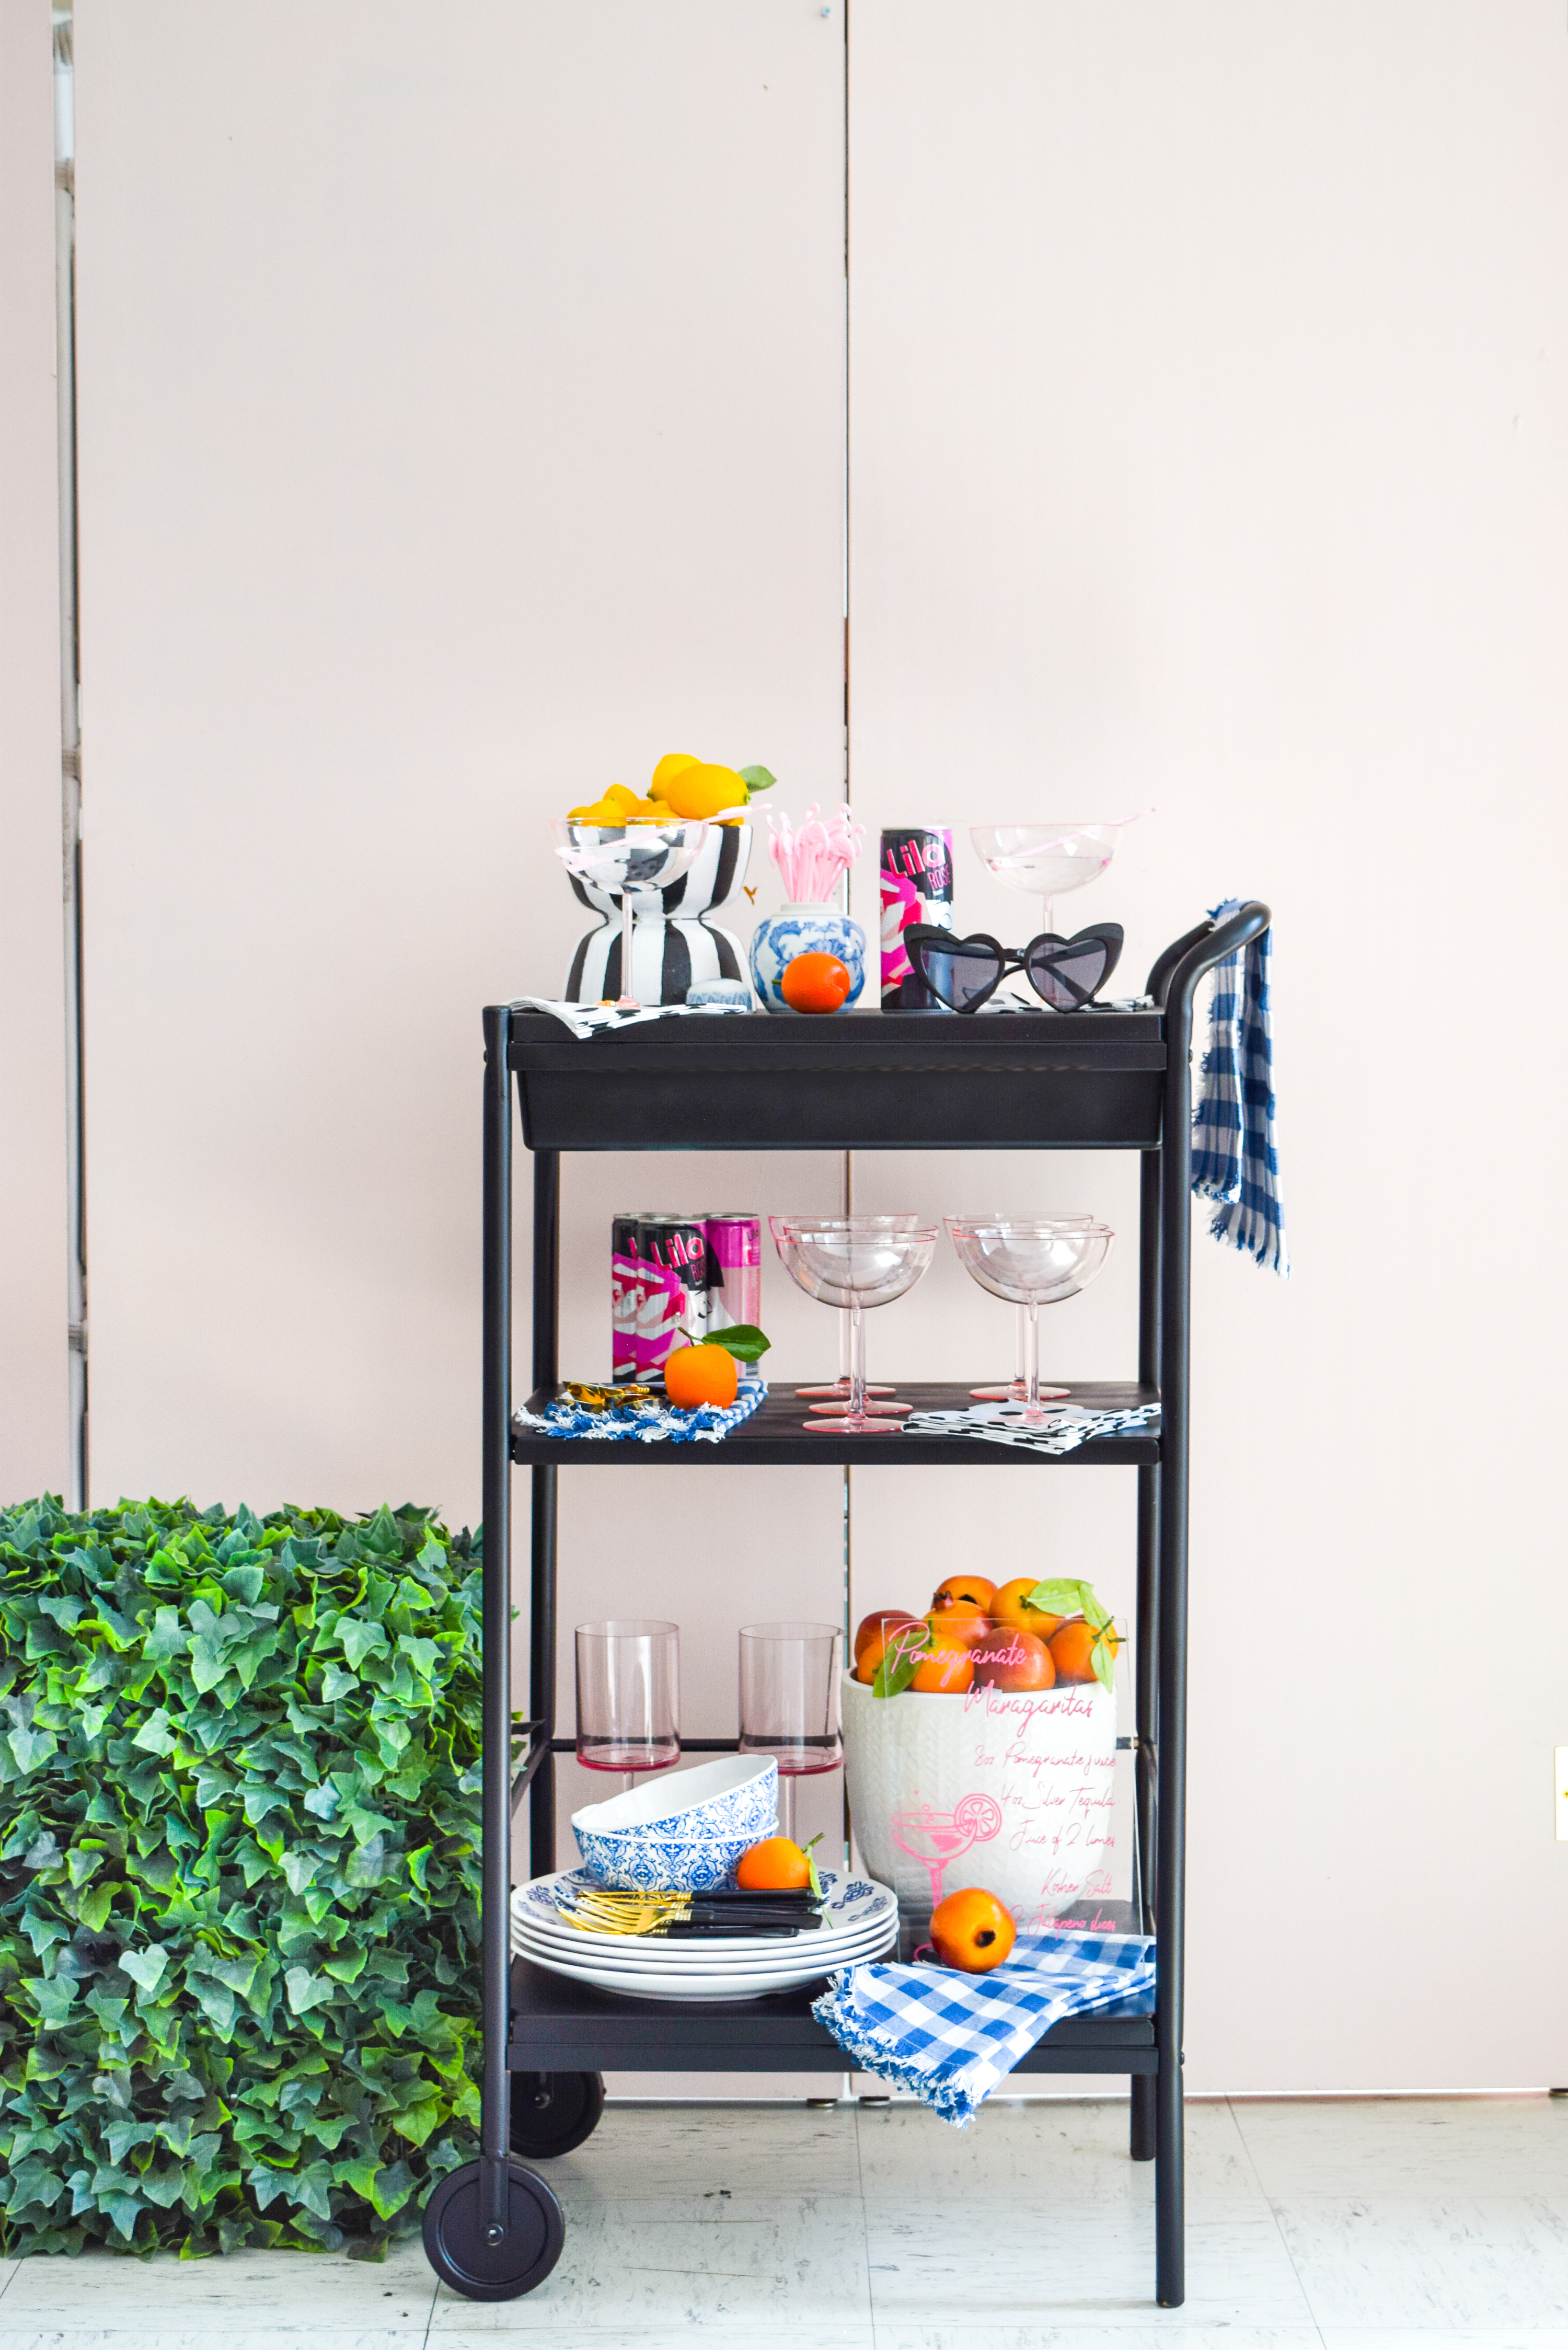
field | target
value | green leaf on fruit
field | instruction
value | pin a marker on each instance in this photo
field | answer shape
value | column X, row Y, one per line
column 1103, row 1658
column 1060, row 1597
column 757, row 779
column 810, row 1852
column 896, row 1671
column 742, row 1339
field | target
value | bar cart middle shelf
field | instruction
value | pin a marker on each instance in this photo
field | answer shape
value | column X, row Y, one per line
column 1094, row 1081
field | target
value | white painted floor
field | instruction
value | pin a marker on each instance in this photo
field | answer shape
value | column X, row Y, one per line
column 1376, row 2224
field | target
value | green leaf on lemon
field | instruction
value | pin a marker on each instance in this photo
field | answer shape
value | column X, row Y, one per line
column 756, row 779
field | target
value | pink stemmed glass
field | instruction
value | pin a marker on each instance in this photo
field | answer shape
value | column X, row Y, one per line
column 839, row 1388
column 854, row 1262
column 1017, row 1389
column 789, row 1701
column 628, row 1696
column 1031, row 1261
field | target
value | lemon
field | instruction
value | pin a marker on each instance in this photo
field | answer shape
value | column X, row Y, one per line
column 670, row 764
column 621, row 797
column 701, row 792
column 604, row 811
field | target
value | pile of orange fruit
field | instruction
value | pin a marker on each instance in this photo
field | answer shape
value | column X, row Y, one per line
column 977, row 1635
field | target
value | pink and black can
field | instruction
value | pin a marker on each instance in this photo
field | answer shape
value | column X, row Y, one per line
column 659, row 1288
column 734, row 1271
column 915, row 875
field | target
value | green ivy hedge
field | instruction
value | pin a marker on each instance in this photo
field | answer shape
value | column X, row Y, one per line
column 239, row 1875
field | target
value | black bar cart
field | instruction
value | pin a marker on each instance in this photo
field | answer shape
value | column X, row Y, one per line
column 1095, row 1080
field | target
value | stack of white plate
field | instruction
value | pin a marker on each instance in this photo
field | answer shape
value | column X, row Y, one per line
column 861, row 1921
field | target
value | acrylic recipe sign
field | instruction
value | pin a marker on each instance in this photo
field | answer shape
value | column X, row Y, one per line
column 1014, row 1791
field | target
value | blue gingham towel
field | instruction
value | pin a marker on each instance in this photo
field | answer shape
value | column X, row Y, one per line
column 952, row 2037
column 1235, row 1157
column 654, row 1422
column 1062, row 1430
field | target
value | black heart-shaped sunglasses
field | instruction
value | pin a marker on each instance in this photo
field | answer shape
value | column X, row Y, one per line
column 964, row 974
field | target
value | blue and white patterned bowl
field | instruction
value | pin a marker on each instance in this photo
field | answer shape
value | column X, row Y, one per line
column 805, row 930
column 684, row 1832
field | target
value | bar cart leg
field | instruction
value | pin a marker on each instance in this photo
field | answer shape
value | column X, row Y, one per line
column 492, row 2229
column 543, row 1536
column 1170, row 1749
column 1146, row 1649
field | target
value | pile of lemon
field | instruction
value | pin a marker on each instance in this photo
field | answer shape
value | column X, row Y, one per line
column 682, row 788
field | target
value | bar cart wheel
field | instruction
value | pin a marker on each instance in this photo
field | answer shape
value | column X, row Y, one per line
column 457, row 2244
column 554, row 2112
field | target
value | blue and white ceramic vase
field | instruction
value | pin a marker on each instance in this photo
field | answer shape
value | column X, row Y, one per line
column 799, row 931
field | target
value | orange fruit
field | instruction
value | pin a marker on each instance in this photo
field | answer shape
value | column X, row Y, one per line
column 971, row 1931
column 965, row 1591
column 774, row 1866
column 1011, row 1659
column 870, row 1624
column 694, row 1375
column 959, row 1627
column 945, row 1672
column 1072, row 1649
column 899, row 1633
column 1011, row 1606
column 816, row 983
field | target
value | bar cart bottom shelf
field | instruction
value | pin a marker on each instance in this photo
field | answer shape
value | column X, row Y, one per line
column 560, row 2026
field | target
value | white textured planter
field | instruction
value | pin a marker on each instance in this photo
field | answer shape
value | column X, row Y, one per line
column 1011, row 1791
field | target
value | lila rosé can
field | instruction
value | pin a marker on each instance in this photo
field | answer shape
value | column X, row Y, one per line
column 671, row 1287
column 916, row 874
column 734, row 1271
column 626, row 1277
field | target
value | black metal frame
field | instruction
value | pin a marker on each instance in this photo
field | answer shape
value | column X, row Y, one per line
column 1105, row 1073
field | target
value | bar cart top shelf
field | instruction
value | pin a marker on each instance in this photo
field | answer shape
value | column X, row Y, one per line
column 859, row 1080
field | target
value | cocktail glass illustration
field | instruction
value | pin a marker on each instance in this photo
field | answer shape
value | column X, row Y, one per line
column 636, row 862
column 935, row 1837
column 1031, row 1261
column 854, row 1262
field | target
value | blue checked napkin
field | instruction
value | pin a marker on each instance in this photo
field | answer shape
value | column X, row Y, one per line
column 654, row 1422
column 952, row 2037
column 1235, row 1157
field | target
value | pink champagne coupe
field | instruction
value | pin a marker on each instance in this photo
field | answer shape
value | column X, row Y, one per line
column 1030, row 1262
column 839, row 1386
column 935, row 1837
column 1046, row 860
column 1017, row 1389
column 854, row 1262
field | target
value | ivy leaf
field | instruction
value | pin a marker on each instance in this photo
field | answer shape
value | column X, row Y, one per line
column 239, row 1774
